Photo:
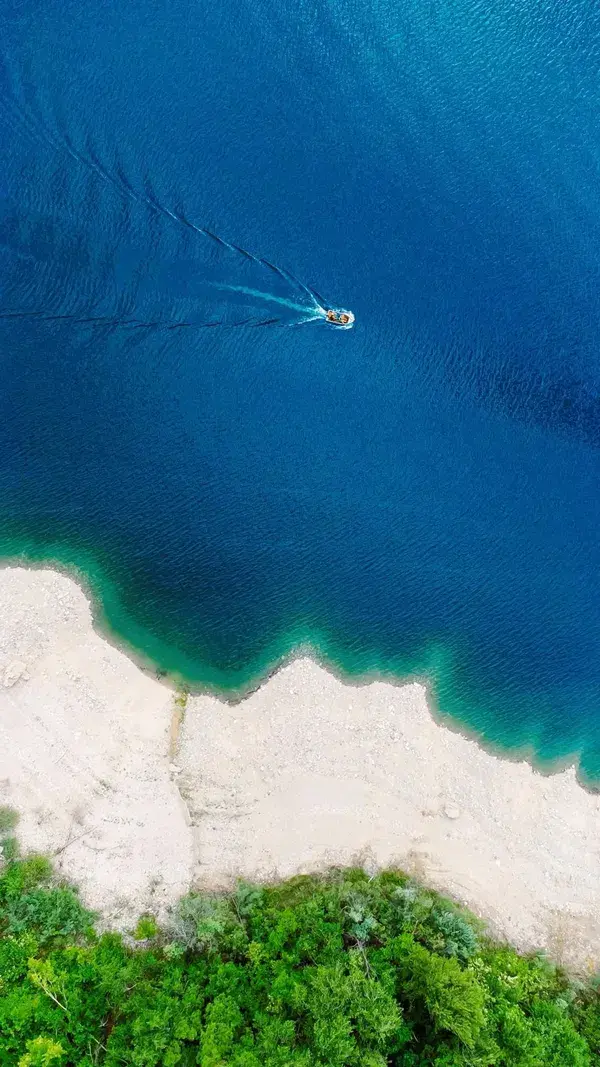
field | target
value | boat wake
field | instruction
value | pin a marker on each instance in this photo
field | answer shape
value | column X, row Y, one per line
column 201, row 294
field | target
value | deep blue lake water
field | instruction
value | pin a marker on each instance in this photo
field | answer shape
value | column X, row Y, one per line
column 418, row 495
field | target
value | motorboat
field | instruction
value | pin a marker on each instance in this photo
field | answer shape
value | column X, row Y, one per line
column 339, row 317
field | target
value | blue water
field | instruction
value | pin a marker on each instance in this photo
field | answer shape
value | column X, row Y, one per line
column 416, row 495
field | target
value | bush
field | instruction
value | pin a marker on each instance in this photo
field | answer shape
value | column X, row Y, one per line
column 208, row 923
column 9, row 849
column 8, row 820
column 22, row 875
column 50, row 913
column 456, row 936
column 146, row 928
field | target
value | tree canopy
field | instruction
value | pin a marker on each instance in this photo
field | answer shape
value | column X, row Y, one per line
column 342, row 970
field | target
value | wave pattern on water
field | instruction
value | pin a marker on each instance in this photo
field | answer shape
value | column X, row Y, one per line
column 419, row 495
column 207, row 285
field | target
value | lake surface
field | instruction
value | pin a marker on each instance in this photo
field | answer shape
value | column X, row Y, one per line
column 417, row 495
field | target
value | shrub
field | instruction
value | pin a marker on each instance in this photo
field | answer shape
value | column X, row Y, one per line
column 23, row 875
column 8, row 820
column 361, row 921
column 207, row 923
column 9, row 849
column 456, row 936
column 50, row 913
column 146, row 928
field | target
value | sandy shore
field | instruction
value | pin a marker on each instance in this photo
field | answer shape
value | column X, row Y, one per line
column 304, row 773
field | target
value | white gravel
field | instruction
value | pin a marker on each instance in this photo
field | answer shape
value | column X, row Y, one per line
column 83, row 751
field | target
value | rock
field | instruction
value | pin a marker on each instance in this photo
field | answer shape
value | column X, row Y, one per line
column 15, row 672
column 174, row 769
column 451, row 811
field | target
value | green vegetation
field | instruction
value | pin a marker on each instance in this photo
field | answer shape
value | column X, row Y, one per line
column 181, row 698
column 340, row 971
column 8, row 820
column 146, row 928
column 9, row 848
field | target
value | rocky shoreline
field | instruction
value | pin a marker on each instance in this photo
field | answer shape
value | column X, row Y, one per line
column 139, row 795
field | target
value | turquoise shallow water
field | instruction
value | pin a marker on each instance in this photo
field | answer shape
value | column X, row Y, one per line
column 418, row 495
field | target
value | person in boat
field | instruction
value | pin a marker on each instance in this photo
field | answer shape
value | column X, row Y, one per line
column 339, row 318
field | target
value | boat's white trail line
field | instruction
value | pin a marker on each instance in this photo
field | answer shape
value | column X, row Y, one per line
column 313, row 310
column 266, row 296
